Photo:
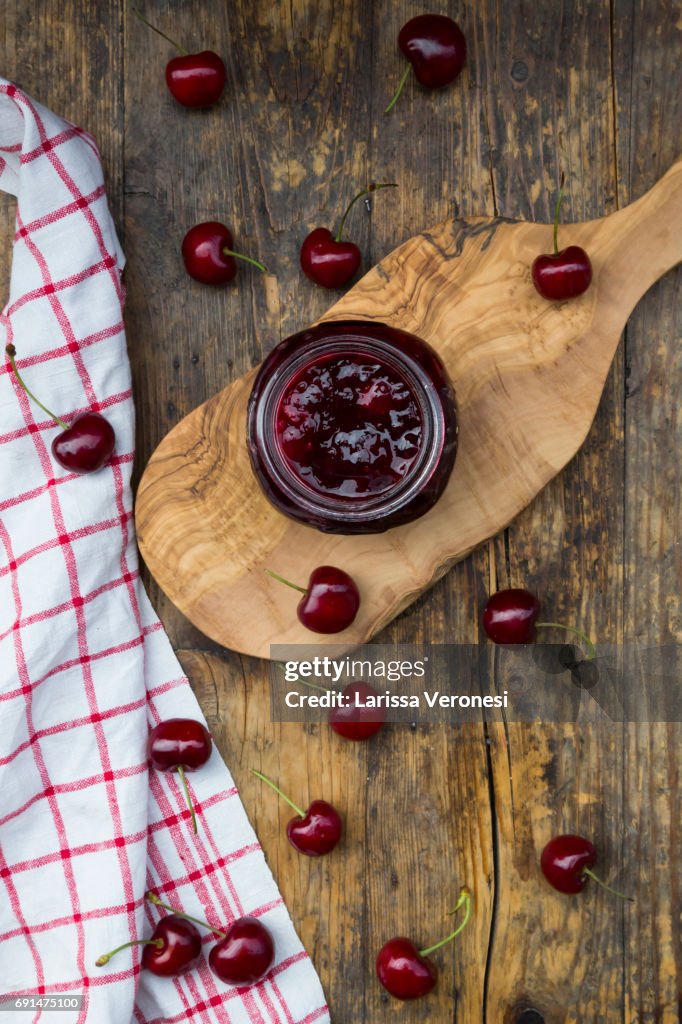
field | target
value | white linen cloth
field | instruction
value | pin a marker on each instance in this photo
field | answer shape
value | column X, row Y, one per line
column 85, row 667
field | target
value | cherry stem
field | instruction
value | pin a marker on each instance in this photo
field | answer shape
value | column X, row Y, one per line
column 287, row 583
column 106, row 957
column 153, row 898
column 400, row 88
column 140, row 15
column 463, row 901
column 365, row 192
column 313, row 686
column 557, row 208
column 591, row 652
column 272, row 785
column 11, row 355
column 247, row 259
column 183, row 780
column 615, row 892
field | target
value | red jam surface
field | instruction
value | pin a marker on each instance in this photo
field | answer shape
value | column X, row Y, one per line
column 349, row 425
column 352, row 427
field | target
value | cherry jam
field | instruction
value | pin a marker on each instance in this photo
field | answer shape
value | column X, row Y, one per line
column 352, row 427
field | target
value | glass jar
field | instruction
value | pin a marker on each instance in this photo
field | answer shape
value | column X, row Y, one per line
column 352, row 427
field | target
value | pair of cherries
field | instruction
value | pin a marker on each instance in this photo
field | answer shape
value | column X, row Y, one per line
column 243, row 956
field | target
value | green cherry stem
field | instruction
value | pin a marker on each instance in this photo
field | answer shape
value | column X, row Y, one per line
column 11, row 355
column 557, row 208
column 287, row 583
column 140, row 15
column 106, row 957
column 153, row 898
column 247, row 259
column 365, row 192
column 614, row 892
column 591, row 652
column 400, row 88
column 463, row 901
column 183, row 780
column 304, row 682
column 284, row 797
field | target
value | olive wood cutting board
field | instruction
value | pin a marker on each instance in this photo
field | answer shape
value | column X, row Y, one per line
column 528, row 374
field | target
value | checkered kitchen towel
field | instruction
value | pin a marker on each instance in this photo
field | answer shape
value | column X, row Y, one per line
column 84, row 663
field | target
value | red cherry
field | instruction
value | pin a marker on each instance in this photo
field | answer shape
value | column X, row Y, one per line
column 565, row 274
column 510, row 616
column 314, row 832
column 175, row 946
column 193, row 79
column 330, row 602
column 353, row 722
column 83, row 446
column 436, row 49
column 86, row 445
column 196, row 79
column 405, row 971
column 562, row 275
column 246, row 953
column 567, row 863
column 181, row 745
column 328, row 261
column 208, row 254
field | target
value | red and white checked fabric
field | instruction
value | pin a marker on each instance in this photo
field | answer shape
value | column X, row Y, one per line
column 85, row 666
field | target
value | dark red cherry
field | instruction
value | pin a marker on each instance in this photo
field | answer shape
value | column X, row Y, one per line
column 174, row 947
column 193, row 79
column 196, row 79
column 330, row 602
column 567, row 863
column 564, row 862
column 565, row 274
column 86, row 445
column 246, row 953
column 83, row 446
column 562, row 275
column 403, row 971
column 208, row 254
column 325, row 258
column 180, row 950
column 327, row 262
column 510, row 615
column 179, row 743
column 317, row 831
column 436, row 49
column 314, row 832
column 353, row 722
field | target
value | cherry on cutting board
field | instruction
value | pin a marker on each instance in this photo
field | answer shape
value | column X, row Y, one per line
column 330, row 602
column 175, row 946
column 325, row 258
column 436, row 50
column 405, row 971
column 193, row 79
column 314, row 832
column 246, row 950
column 180, row 745
column 510, row 617
column 84, row 445
column 567, row 863
column 209, row 256
column 565, row 274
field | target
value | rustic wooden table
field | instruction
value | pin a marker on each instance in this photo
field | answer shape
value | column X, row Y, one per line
column 590, row 88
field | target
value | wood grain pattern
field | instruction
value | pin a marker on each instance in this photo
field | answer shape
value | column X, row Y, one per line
column 528, row 375
column 591, row 88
